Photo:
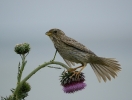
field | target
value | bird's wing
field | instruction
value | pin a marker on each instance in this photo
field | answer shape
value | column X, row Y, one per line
column 69, row 63
column 73, row 43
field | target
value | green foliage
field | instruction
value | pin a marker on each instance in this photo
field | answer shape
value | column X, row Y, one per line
column 7, row 98
column 23, row 91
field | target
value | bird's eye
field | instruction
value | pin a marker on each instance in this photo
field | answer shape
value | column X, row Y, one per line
column 55, row 31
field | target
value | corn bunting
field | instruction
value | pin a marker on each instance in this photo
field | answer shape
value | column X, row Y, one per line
column 74, row 52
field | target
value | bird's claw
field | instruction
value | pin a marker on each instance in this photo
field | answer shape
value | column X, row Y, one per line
column 76, row 74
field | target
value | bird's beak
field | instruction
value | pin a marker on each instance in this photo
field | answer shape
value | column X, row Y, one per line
column 48, row 33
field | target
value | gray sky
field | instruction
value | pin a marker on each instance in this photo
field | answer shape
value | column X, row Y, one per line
column 104, row 26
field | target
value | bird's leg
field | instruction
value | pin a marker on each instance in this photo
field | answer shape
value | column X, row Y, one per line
column 54, row 56
column 76, row 73
column 73, row 69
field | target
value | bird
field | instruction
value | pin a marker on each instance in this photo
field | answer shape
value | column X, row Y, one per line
column 74, row 52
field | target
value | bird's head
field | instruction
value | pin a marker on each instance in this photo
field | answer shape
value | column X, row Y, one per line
column 55, row 33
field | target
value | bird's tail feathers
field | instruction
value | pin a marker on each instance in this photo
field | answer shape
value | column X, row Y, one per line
column 104, row 67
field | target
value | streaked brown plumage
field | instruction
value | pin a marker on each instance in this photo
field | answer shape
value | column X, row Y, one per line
column 75, row 52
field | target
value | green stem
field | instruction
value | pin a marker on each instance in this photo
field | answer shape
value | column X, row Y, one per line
column 21, row 68
column 37, row 69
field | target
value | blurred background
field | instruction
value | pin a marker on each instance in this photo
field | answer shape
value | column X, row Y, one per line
column 104, row 26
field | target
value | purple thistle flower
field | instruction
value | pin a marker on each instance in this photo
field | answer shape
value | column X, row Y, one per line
column 72, row 84
column 74, row 87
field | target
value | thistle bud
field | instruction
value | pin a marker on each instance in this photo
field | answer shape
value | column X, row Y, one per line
column 22, row 48
column 23, row 91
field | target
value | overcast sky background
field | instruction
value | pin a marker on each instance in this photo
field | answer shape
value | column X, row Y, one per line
column 104, row 26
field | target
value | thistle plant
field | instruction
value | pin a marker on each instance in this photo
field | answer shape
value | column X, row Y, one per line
column 70, row 84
